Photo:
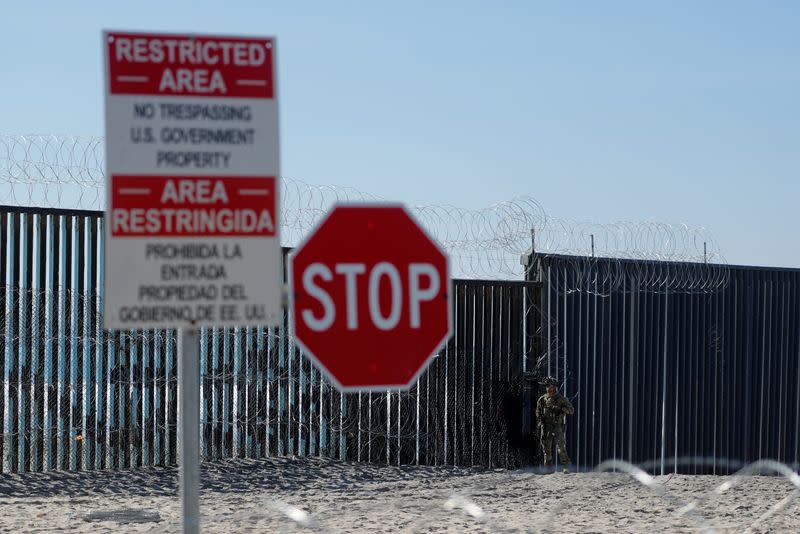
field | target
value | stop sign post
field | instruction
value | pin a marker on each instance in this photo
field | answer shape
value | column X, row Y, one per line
column 370, row 297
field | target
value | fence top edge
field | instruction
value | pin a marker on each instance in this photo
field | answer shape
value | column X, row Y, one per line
column 606, row 259
column 34, row 210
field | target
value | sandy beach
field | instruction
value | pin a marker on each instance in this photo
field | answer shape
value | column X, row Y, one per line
column 293, row 495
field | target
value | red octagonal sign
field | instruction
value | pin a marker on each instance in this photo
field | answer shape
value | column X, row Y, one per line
column 370, row 297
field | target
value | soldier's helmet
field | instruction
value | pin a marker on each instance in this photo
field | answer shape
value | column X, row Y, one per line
column 550, row 381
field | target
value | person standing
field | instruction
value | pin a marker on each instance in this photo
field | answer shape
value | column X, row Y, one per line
column 551, row 411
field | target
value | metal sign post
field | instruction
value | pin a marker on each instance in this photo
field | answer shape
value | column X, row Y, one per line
column 192, row 200
column 189, row 427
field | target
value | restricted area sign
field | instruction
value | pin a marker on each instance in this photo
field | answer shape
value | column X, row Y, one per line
column 370, row 297
column 192, row 234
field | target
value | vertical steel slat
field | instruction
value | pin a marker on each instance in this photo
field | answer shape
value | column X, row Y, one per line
column 473, row 363
column 490, row 367
column 264, row 377
column 99, row 340
column 642, row 362
column 288, row 396
column 260, row 407
column 388, row 426
column 664, row 386
column 5, row 250
column 87, row 422
column 632, row 355
column 456, row 386
column 9, row 460
column 797, row 376
column 580, row 354
column 323, row 421
column 479, row 421
column 62, row 393
column 359, row 449
column 74, row 306
column 281, row 392
column 170, row 378
column 205, row 397
column 608, row 352
column 23, row 336
column 216, row 402
column 399, row 416
column 563, row 374
column 112, row 400
column 590, row 454
column 147, row 397
column 313, row 377
column 227, row 377
column 417, row 389
column 50, row 291
column 763, row 373
column 746, row 355
column 342, row 441
column 446, row 400
column 270, row 396
column 36, row 391
column 136, row 398
column 300, row 386
column 158, row 395
column 119, row 444
column 250, row 365
column 236, row 449
column 784, row 367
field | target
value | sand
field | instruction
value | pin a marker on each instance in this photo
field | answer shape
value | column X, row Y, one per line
column 296, row 495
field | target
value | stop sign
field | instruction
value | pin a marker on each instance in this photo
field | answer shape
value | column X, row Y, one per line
column 370, row 297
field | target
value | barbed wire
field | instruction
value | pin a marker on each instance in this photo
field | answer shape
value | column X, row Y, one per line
column 68, row 172
column 321, row 495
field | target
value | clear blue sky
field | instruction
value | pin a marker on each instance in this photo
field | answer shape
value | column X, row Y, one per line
column 672, row 111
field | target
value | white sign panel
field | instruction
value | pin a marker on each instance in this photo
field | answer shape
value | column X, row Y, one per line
column 192, row 158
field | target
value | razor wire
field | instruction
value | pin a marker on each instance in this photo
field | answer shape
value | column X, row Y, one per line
column 307, row 495
column 68, row 173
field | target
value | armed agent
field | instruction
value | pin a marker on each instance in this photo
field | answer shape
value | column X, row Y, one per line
column 551, row 411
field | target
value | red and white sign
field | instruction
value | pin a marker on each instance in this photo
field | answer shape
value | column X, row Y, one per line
column 192, row 207
column 370, row 297
column 192, row 155
column 162, row 64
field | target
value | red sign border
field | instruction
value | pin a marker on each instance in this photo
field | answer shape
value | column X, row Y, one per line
column 106, row 32
column 135, row 177
column 312, row 356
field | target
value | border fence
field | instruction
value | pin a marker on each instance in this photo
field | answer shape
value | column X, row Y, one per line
column 666, row 361
column 662, row 360
column 666, row 352
column 77, row 397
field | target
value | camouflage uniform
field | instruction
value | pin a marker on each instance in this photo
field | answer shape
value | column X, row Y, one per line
column 550, row 412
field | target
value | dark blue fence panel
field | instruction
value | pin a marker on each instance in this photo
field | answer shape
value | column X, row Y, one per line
column 665, row 361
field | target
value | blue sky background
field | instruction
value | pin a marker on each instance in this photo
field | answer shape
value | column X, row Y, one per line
column 669, row 111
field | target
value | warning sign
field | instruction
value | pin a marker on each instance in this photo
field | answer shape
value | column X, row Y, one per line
column 192, row 227
column 192, row 206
